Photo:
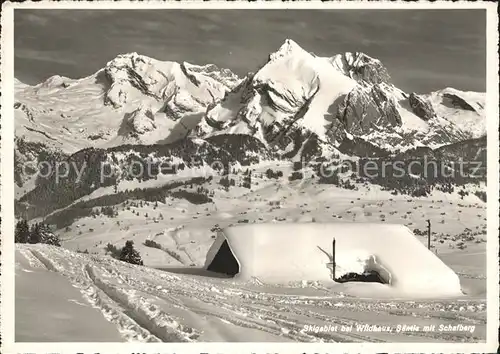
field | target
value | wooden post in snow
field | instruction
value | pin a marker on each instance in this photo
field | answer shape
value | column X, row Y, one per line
column 333, row 259
column 428, row 234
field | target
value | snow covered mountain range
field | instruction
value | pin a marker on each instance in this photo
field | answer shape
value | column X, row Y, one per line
column 140, row 100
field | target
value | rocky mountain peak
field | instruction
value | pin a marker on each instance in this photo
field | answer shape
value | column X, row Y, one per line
column 421, row 107
column 361, row 68
column 210, row 71
column 142, row 120
column 133, row 72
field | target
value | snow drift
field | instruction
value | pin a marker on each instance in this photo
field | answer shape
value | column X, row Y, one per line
column 283, row 253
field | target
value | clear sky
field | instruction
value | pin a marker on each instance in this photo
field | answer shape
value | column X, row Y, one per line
column 423, row 50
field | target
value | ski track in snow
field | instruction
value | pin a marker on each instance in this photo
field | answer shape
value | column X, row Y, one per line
column 150, row 305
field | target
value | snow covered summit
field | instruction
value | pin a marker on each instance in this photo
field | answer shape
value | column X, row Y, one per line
column 290, row 95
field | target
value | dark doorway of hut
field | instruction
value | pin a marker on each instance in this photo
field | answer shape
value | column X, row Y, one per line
column 224, row 261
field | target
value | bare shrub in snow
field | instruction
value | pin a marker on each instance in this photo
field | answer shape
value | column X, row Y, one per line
column 152, row 244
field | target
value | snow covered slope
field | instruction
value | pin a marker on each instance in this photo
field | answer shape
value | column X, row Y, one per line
column 282, row 253
column 141, row 304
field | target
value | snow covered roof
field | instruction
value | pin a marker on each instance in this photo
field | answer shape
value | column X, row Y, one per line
column 283, row 253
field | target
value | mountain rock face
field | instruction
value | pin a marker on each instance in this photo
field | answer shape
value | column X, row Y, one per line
column 365, row 107
column 421, row 107
column 361, row 68
column 284, row 102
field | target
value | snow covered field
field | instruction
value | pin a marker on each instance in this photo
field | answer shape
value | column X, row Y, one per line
column 145, row 304
column 179, row 301
column 187, row 229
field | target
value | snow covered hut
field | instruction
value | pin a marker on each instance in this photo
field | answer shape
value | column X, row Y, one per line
column 282, row 253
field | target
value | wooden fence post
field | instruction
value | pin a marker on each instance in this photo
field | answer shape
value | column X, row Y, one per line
column 333, row 259
column 428, row 234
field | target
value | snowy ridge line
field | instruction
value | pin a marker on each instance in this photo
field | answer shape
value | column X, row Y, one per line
column 140, row 300
column 148, row 315
column 434, row 335
column 130, row 329
column 291, row 327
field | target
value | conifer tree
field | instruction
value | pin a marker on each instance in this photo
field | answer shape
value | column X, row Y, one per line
column 130, row 255
column 35, row 236
column 22, row 232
